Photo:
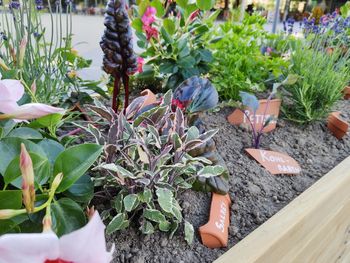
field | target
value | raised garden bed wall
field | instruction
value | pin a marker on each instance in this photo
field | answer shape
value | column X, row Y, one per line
column 314, row 227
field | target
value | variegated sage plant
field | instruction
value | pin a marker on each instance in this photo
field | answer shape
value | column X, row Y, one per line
column 146, row 163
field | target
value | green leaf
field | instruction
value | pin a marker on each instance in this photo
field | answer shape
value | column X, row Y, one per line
column 147, row 228
column 51, row 148
column 67, row 216
column 119, row 222
column 182, row 3
column 167, row 38
column 145, row 196
column 143, row 6
column 131, row 202
column 164, row 226
column 118, row 169
column 165, row 199
column 10, row 199
column 137, row 24
column 41, row 167
column 82, row 190
column 154, row 215
column 210, row 171
column 47, row 121
column 187, row 62
column 25, row 133
column 189, row 232
column 117, row 203
column 74, row 162
column 6, row 127
column 205, row 4
column 168, row 67
column 169, row 26
column 11, row 148
column 157, row 4
column 176, row 211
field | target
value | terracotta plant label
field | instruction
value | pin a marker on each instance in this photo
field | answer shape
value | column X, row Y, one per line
column 273, row 109
column 274, row 162
column 150, row 98
column 346, row 93
column 214, row 234
column 337, row 125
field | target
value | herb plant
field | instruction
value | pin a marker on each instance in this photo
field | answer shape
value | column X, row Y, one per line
column 146, row 164
column 239, row 64
column 323, row 76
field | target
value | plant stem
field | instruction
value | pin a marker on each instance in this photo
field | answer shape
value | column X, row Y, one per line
column 126, row 88
column 116, row 91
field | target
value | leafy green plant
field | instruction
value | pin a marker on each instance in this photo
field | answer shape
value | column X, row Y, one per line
column 175, row 47
column 147, row 162
column 322, row 78
column 239, row 64
column 49, row 178
column 44, row 62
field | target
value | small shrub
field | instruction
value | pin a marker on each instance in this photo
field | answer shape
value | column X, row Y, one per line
column 322, row 77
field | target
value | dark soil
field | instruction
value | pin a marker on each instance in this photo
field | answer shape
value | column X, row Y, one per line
column 256, row 195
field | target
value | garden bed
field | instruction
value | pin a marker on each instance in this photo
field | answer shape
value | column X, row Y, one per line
column 256, row 194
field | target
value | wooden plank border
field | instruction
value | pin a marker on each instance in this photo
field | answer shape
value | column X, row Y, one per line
column 314, row 227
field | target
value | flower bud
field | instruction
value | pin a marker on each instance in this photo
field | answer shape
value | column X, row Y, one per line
column 72, row 74
column 3, row 65
column 9, row 213
column 28, row 190
column 56, row 182
column 22, row 50
column 33, row 87
column 47, row 223
column 90, row 212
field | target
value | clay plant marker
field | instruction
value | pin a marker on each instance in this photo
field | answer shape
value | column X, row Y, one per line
column 346, row 93
column 337, row 125
column 237, row 117
column 214, row 234
column 150, row 98
column 275, row 162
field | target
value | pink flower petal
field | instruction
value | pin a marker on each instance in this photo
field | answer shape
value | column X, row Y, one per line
column 7, row 106
column 31, row 111
column 11, row 90
column 86, row 245
column 28, row 248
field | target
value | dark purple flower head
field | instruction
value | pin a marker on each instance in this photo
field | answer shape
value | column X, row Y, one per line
column 14, row 5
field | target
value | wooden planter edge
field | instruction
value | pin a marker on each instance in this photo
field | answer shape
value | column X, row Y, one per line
column 314, row 227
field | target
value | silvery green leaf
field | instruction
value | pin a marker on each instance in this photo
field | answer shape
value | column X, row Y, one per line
column 164, row 226
column 176, row 211
column 192, row 133
column 167, row 98
column 189, row 232
column 210, row 171
column 154, row 215
column 249, row 100
column 145, row 196
column 117, row 203
column 165, row 199
column 147, row 228
column 119, row 222
column 131, row 201
column 117, row 169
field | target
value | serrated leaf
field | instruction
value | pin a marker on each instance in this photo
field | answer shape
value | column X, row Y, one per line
column 131, row 202
column 189, row 232
column 165, row 199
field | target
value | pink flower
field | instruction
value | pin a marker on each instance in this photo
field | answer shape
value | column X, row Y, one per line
column 140, row 62
column 12, row 91
column 149, row 16
column 151, row 32
column 86, row 245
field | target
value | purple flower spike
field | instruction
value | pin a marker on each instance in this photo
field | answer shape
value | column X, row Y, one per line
column 14, row 5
